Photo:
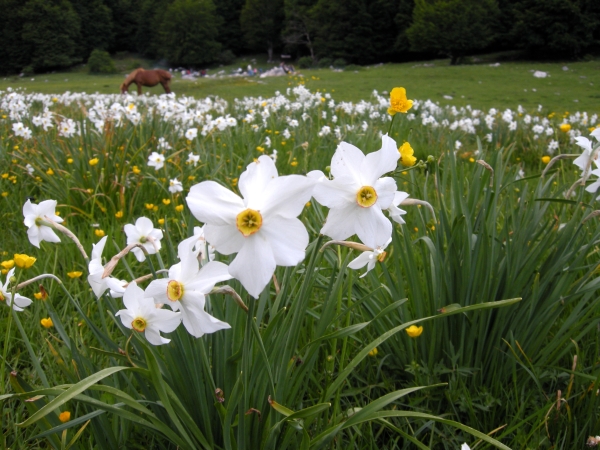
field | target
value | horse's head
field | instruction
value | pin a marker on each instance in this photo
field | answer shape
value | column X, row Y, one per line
column 124, row 88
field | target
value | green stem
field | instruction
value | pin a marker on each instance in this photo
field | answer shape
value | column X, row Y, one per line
column 391, row 123
column 34, row 359
column 5, row 351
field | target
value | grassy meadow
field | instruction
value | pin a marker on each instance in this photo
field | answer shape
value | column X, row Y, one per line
column 496, row 261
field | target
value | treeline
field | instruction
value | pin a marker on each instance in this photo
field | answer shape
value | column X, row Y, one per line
column 41, row 35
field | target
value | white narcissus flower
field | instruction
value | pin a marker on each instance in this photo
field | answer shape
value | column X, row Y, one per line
column 395, row 212
column 369, row 258
column 175, row 186
column 185, row 290
column 191, row 134
column 143, row 316
column 193, row 159
column 465, row 447
column 143, row 233
column 116, row 287
column 584, row 159
column 156, row 160
column 197, row 244
column 18, row 302
column 96, row 268
column 262, row 227
column 593, row 188
column 34, row 216
column 357, row 195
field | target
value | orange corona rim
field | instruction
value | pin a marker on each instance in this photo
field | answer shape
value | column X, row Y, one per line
column 248, row 222
column 366, row 197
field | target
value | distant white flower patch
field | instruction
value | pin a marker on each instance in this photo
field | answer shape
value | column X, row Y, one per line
column 540, row 74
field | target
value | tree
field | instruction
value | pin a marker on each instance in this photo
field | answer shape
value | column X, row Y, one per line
column 149, row 23
column 556, row 28
column 96, row 26
column 262, row 22
column 299, row 24
column 51, row 30
column 125, row 22
column 230, row 32
column 452, row 27
column 359, row 31
column 189, row 33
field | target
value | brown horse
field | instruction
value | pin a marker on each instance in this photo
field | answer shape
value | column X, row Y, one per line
column 149, row 78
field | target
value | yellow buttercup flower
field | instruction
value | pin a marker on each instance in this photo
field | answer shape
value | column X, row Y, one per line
column 136, row 170
column 564, row 127
column 99, row 233
column 5, row 194
column 9, row 264
column 119, row 214
column 69, row 160
column 94, row 161
column 399, row 102
column 373, row 352
column 47, row 323
column 24, row 261
column 166, row 201
column 64, row 416
column 161, row 221
column 50, row 172
column 74, row 274
column 149, row 205
column 179, row 208
column 407, row 155
column 545, row 159
column 414, row 331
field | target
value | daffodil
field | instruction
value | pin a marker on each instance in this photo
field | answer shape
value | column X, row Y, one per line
column 398, row 101
column 261, row 226
column 36, row 217
column 18, row 302
column 185, row 289
column 369, row 258
column 143, row 233
column 357, row 195
column 142, row 315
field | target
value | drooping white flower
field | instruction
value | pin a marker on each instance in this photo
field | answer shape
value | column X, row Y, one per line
column 197, row 243
column 156, row 160
column 262, row 227
column 175, row 186
column 34, row 216
column 465, row 447
column 584, row 159
column 369, row 258
column 18, row 302
column 143, row 233
column 395, row 212
column 143, row 316
column 96, row 268
column 185, row 290
column 357, row 195
column 193, row 159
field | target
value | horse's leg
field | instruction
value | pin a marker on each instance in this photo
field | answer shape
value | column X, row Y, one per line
column 139, row 86
column 165, row 85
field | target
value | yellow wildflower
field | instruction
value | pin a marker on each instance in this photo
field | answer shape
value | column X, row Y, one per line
column 155, row 209
column 414, row 331
column 149, row 205
column 94, row 161
column 24, row 261
column 399, row 102
column 50, row 171
column 47, row 323
column 564, row 127
column 136, row 170
column 545, row 159
column 407, row 155
column 294, row 163
column 179, row 208
column 74, row 274
column 5, row 194
column 166, row 201
column 373, row 352
column 69, row 160
column 64, row 416
column 161, row 221
column 9, row 264
column 119, row 214
column 100, row 233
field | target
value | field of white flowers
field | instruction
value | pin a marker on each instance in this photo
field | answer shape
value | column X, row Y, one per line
column 296, row 272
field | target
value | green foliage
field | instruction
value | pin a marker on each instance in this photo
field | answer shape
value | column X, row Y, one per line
column 230, row 30
column 305, row 62
column 188, row 33
column 262, row 22
column 101, row 62
column 452, row 27
column 554, row 28
column 96, row 26
column 325, row 62
column 51, row 30
column 339, row 63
